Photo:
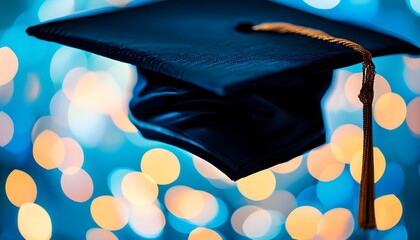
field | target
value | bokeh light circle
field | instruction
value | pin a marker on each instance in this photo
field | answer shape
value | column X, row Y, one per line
column 388, row 211
column 147, row 221
column 109, row 212
column 202, row 233
column 139, row 188
column 20, row 188
column 302, row 223
column 8, row 65
column 44, row 147
column 413, row 116
column 257, row 186
column 322, row 4
column 240, row 215
column 379, row 163
column 354, row 84
column 323, row 165
column 162, row 165
column 77, row 186
column 7, row 129
column 34, row 222
column 207, row 169
column 257, row 224
column 337, row 223
column 100, row 234
column 288, row 166
column 71, row 159
column 390, row 111
column 346, row 141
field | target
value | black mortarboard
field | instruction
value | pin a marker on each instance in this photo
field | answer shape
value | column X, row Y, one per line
column 242, row 100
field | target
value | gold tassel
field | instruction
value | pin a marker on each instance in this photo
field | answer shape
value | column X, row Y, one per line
column 366, row 216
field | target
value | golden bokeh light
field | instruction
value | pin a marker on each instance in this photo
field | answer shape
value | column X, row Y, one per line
column 34, row 222
column 302, row 222
column 388, row 211
column 354, row 84
column 139, row 188
column 208, row 212
column 390, row 111
column 202, row 233
column 45, row 146
column 7, row 129
column 8, row 65
column 100, row 234
column 121, row 120
column 71, row 79
column 413, row 116
column 77, row 186
column 207, row 169
column 346, row 141
column 257, row 224
column 162, row 165
column 257, row 186
column 289, row 166
column 20, row 188
column 240, row 215
column 337, row 223
column 147, row 221
column 98, row 91
column 379, row 163
column 323, row 165
column 109, row 213
column 68, row 155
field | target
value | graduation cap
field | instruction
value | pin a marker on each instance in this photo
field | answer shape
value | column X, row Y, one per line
column 219, row 82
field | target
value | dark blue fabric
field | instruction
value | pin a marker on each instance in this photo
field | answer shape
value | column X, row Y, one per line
column 243, row 101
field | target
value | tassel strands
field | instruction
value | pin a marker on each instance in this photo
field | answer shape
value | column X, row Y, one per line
column 366, row 216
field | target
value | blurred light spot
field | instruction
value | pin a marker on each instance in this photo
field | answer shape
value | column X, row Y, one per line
column 115, row 178
column 98, row 91
column 109, row 212
column 100, row 234
column 34, row 222
column 119, row 3
column 302, row 223
column 64, row 60
column 388, row 211
column 346, row 141
column 77, row 186
column 6, row 92
column 282, row 201
column 45, row 123
column 323, row 165
column 8, row 65
column 289, row 166
column 6, row 129
column 71, row 79
column 207, row 169
column 336, row 100
column 390, row 111
column 121, row 120
column 411, row 62
column 257, row 224
column 322, row 4
column 414, row 6
column 240, row 215
column 32, row 88
column 20, row 188
column 139, row 188
column 411, row 75
column 354, row 83
column 204, row 234
column 52, row 9
column 413, row 116
column 338, row 223
column 161, row 164
column 198, row 207
column 379, row 162
column 336, row 193
column 44, row 147
column 59, row 108
column 257, row 186
column 70, row 158
column 87, row 126
column 147, row 221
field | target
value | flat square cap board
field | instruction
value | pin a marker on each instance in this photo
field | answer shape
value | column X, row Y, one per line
column 242, row 100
